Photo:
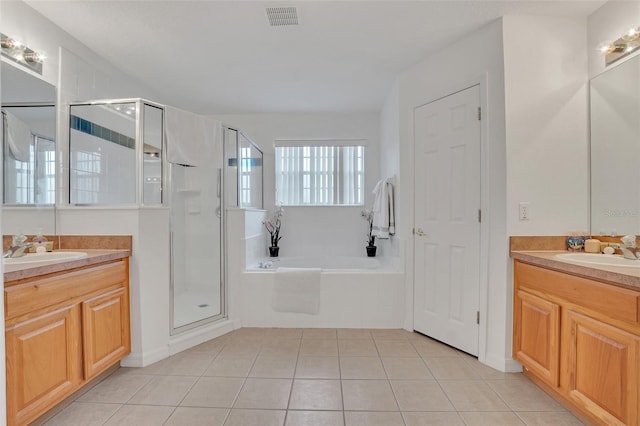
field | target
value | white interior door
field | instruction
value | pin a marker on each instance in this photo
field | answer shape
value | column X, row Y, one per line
column 447, row 219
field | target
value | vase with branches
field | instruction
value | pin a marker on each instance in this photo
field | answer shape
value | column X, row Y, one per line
column 273, row 227
column 371, row 239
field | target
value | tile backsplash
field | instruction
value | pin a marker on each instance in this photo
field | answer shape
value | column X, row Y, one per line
column 105, row 242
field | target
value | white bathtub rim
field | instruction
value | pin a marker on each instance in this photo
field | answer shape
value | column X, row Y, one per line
column 384, row 266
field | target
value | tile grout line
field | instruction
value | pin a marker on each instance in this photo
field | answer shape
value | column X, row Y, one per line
column 344, row 410
column 295, row 368
column 214, row 357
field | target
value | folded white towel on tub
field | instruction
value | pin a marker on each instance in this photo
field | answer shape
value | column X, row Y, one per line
column 297, row 290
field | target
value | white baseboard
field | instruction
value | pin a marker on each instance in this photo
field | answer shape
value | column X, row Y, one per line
column 194, row 337
column 506, row 365
column 178, row 344
column 146, row 358
column 513, row 366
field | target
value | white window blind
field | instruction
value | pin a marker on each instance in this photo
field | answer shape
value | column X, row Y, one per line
column 320, row 175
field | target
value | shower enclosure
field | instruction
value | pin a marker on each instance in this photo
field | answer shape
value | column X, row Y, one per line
column 118, row 156
column 196, row 245
column 197, row 221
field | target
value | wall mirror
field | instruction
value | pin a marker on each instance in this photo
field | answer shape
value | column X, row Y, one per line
column 615, row 150
column 28, row 152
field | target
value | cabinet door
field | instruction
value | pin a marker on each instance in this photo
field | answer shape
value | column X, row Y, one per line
column 603, row 370
column 43, row 363
column 106, row 336
column 536, row 336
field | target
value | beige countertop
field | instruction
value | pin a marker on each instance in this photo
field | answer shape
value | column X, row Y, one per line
column 18, row 271
column 616, row 275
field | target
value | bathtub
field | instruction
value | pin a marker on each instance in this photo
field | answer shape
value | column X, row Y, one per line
column 328, row 264
column 355, row 292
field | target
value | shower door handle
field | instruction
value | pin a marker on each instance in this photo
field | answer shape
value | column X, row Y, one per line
column 219, row 183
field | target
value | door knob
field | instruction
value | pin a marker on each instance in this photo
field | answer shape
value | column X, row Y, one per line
column 420, row 232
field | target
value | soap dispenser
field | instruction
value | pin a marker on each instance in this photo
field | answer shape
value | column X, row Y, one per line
column 40, row 243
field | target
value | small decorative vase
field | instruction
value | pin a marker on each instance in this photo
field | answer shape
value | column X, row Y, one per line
column 575, row 243
column 273, row 251
column 371, row 251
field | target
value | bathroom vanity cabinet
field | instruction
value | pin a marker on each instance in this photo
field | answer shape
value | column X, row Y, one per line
column 62, row 330
column 579, row 338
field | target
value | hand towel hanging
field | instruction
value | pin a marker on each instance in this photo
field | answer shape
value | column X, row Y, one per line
column 383, row 210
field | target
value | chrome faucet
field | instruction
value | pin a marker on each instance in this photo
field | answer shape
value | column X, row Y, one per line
column 629, row 248
column 18, row 247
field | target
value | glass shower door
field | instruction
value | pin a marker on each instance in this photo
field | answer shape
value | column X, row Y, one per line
column 196, row 246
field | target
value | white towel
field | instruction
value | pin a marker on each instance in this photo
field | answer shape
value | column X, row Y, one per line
column 383, row 210
column 189, row 137
column 297, row 290
column 18, row 137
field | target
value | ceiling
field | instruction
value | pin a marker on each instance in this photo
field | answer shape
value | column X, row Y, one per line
column 224, row 57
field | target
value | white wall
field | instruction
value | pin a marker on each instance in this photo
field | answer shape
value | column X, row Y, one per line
column 475, row 59
column 546, row 98
column 390, row 160
column 314, row 230
column 532, row 72
column 22, row 23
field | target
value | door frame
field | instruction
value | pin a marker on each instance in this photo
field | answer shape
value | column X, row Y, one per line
column 485, row 205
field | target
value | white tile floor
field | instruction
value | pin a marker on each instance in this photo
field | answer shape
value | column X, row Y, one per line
column 262, row 377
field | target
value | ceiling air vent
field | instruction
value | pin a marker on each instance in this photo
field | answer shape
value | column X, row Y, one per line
column 279, row 16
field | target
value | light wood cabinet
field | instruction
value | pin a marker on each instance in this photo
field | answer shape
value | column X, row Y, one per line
column 62, row 330
column 537, row 337
column 105, row 331
column 43, row 362
column 579, row 339
column 603, row 370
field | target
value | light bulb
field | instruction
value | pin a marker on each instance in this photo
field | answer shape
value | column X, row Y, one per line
column 7, row 43
column 33, row 57
column 631, row 35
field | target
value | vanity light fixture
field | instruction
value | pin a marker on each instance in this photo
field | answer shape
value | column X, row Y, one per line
column 21, row 54
column 623, row 46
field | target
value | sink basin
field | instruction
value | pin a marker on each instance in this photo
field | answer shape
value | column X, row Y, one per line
column 599, row 259
column 52, row 256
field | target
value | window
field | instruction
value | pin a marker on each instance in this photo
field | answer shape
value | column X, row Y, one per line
column 245, row 176
column 86, row 168
column 318, row 175
column 33, row 181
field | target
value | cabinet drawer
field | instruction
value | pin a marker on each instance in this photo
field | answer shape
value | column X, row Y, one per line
column 614, row 302
column 40, row 293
